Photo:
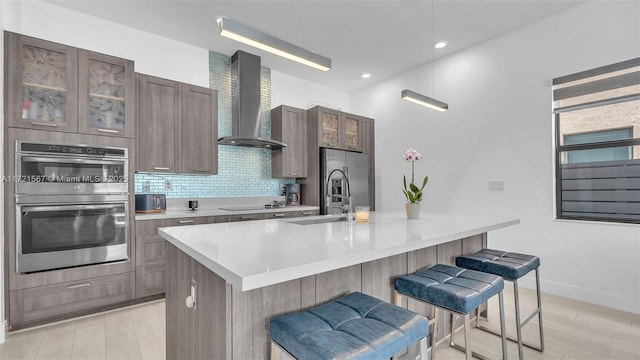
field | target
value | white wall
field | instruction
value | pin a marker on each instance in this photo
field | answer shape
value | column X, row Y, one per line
column 499, row 127
column 303, row 94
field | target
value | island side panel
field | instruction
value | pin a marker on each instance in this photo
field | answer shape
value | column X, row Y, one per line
column 198, row 332
column 251, row 312
column 333, row 284
column 378, row 276
column 181, row 341
column 474, row 243
column 211, row 312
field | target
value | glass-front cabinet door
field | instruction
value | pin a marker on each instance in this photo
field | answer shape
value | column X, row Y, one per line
column 42, row 84
column 106, row 95
column 329, row 128
column 352, row 132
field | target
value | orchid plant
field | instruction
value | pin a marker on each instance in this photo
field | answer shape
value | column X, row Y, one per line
column 413, row 193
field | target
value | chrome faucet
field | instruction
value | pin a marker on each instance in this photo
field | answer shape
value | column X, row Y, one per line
column 346, row 199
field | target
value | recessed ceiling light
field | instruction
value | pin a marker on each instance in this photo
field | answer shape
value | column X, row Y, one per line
column 440, row 44
column 366, row 75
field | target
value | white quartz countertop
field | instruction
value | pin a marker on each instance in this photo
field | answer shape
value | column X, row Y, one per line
column 259, row 253
column 247, row 209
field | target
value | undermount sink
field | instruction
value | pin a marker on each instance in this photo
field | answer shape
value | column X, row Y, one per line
column 318, row 220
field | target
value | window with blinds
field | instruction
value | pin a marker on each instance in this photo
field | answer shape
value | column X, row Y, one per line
column 597, row 128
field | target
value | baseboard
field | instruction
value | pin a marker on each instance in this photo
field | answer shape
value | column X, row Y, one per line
column 609, row 300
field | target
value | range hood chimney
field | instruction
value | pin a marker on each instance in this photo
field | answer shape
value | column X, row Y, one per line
column 245, row 104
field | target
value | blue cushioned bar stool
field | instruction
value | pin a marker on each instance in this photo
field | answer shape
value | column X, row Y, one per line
column 356, row 326
column 511, row 266
column 455, row 290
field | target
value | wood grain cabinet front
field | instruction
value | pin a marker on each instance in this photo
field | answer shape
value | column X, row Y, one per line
column 177, row 127
column 289, row 125
column 55, row 302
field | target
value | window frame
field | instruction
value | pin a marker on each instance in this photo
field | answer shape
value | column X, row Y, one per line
column 601, row 79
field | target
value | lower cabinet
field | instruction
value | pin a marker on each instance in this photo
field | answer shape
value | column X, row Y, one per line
column 55, row 302
column 151, row 252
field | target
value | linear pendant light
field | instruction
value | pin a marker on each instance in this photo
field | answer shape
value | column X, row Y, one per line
column 256, row 38
column 423, row 100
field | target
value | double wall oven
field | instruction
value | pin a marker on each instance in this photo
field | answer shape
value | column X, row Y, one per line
column 71, row 205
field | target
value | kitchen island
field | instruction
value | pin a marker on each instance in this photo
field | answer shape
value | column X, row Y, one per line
column 226, row 281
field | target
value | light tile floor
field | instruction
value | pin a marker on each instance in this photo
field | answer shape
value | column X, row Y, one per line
column 574, row 330
column 136, row 332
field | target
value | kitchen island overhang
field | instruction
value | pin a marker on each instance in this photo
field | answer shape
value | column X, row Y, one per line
column 255, row 254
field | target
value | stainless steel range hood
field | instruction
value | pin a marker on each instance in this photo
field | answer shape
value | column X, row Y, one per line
column 245, row 104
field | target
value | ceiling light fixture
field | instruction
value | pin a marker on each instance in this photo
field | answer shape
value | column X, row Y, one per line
column 250, row 36
column 440, row 44
column 423, row 100
column 366, row 75
column 413, row 96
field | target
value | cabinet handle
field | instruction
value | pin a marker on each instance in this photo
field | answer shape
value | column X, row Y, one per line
column 161, row 168
column 109, row 131
column 247, row 217
column 78, row 286
column 186, row 221
column 306, row 213
column 201, row 170
column 279, row 215
column 190, row 301
column 44, row 124
column 332, row 144
column 293, row 173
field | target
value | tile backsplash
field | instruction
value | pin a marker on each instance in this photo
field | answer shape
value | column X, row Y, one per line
column 242, row 172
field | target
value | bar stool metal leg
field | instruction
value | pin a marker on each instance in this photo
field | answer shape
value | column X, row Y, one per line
column 503, row 328
column 436, row 315
column 467, row 329
column 516, row 299
column 539, row 309
column 520, row 324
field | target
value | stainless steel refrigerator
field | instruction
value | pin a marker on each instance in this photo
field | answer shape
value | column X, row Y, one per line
column 334, row 190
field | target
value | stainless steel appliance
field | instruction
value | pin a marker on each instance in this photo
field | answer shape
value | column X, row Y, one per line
column 72, row 205
column 344, row 181
column 292, row 192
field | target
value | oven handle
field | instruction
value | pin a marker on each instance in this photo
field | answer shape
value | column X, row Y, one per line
column 70, row 160
column 66, row 207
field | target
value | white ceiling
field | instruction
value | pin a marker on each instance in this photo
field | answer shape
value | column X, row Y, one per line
column 383, row 37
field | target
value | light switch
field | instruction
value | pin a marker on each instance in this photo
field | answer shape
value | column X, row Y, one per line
column 496, row 185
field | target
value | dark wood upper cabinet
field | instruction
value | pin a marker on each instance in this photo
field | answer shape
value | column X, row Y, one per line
column 177, row 127
column 199, row 142
column 106, row 95
column 158, row 124
column 289, row 125
column 42, row 82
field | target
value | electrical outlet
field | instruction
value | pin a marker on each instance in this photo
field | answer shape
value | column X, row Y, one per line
column 496, row 185
column 146, row 187
column 168, row 185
